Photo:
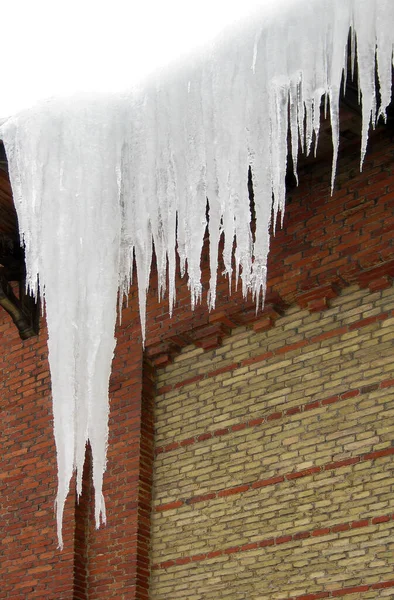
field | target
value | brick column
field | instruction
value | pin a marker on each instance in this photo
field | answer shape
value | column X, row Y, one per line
column 118, row 554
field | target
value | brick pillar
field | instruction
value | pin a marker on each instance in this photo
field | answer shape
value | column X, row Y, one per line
column 145, row 482
column 118, row 554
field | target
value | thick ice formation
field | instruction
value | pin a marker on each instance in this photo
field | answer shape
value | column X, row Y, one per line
column 97, row 178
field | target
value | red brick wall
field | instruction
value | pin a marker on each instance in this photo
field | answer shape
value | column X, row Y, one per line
column 328, row 243
column 30, row 564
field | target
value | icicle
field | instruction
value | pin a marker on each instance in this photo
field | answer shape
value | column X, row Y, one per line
column 365, row 26
column 294, row 131
column 67, row 195
column 101, row 181
column 385, row 62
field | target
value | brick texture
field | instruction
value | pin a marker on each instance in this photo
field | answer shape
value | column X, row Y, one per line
column 30, row 564
column 284, row 487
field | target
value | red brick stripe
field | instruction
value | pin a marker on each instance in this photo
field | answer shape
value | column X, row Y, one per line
column 240, row 489
column 279, row 351
column 278, row 540
column 273, row 416
column 346, row 591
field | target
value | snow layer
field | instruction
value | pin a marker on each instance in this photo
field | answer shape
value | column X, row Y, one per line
column 98, row 178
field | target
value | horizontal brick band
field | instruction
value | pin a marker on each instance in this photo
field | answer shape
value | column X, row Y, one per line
column 255, row 422
column 239, row 489
column 356, row 589
column 280, row 351
column 276, row 541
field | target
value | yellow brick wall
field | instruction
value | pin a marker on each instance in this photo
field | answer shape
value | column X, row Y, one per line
column 274, row 478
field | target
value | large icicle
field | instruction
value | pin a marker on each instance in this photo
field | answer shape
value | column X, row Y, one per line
column 100, row 180
column 70, row 220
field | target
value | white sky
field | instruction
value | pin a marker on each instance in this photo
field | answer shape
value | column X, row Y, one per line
column 53, row 47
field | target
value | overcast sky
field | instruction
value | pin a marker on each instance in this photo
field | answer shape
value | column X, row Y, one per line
column 54, row 47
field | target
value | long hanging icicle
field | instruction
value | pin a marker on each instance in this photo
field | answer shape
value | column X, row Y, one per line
column 97, row 179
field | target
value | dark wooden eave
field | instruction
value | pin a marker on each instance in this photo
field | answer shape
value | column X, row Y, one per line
column 22, row 308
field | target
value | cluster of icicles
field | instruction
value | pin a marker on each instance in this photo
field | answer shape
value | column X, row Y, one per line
column 99, row 178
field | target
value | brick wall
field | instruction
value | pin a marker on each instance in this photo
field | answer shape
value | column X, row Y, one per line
column 30, row 564
column 274, row 471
